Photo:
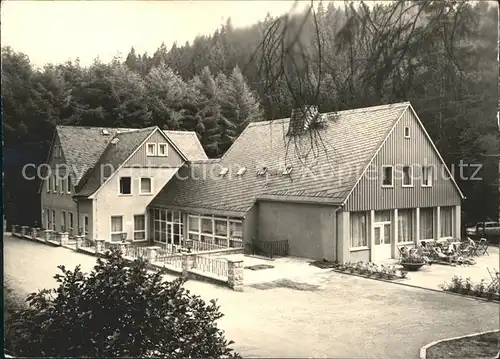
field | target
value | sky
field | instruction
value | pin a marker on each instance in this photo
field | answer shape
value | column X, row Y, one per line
column 55, row 31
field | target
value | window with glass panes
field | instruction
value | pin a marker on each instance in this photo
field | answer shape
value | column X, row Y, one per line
column 223, row 231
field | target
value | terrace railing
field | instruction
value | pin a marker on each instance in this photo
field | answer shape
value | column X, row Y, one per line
column 270, row 248
column 88, row 244
column 198, row 246
column 174, row 260
column 136, row 252
column 218, row 267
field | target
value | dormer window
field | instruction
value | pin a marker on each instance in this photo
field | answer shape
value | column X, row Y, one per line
column 262, row 171
column 223, row 171
column 407, row 132
column 104, row 132
column 241, row 171
column 151, row 149
column 287, row 170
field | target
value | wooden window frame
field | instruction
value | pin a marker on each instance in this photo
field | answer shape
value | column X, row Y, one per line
column 151, row 154
column 392, row 176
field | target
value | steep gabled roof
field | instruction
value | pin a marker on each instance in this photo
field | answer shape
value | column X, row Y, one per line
column 83, row 146
column 188, row 143
column 114, row 155
column 325, row 163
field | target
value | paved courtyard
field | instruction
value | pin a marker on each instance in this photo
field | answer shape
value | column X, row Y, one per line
column 434, row 275
column 341, row 316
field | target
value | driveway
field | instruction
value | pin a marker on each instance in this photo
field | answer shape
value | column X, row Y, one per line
column 344, row 316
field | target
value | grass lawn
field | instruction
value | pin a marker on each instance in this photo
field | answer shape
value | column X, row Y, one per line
column 481, row 346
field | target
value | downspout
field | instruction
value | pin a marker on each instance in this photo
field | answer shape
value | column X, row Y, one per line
column 337, row 231
column 77, row 214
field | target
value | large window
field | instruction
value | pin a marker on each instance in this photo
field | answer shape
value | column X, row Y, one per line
column 446, row 214
column 71, row 224
column 223, row 231
column 167, row 226
column 427, row 223
column 53, row 219
column 405, row 225
column 116, row 228
column 358, row 230
column 63, row 222
column 139, row 227
column 48, row 218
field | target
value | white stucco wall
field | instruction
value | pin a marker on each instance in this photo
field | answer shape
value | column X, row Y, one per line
column 108, row 201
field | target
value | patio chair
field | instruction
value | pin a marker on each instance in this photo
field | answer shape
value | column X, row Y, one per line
column 495, row 277
column 438, row 254
column 403, row 253
column 470, row 247
column 482, row 247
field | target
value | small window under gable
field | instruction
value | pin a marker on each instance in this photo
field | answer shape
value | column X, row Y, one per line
column 151, row 149
column 287, row 170
column 223, row 171
column 407, row 132
column 241, row 171
column 162, row 149
column 262, row 171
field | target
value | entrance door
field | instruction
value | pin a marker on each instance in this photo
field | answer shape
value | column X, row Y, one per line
column 382, row 241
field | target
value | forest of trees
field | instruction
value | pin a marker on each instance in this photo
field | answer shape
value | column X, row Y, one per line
column 440, row 55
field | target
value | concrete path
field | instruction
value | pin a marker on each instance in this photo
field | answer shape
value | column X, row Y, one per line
column 345, row 317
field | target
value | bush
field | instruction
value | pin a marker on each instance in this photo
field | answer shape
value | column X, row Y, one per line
column 371, row 269
column 119, row 310
column 466, row 286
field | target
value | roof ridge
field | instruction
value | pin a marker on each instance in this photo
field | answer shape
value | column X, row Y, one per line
column 180, row 131
column 96, row 127
column 355, row 110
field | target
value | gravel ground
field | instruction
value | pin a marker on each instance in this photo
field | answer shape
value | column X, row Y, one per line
column 345, row 316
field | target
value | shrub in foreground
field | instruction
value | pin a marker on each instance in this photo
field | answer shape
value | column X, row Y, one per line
column 118, row 310
column 465, row 286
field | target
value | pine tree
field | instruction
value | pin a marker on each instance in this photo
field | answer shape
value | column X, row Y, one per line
column 216, row 128
column 167, row 94
column 239, row 105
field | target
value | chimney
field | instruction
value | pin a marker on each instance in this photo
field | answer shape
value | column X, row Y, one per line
column 301, row 118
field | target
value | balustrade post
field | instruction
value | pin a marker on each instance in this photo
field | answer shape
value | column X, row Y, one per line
column 188, row 261
column 79, row 241
column 24, row 230
column 99, row 245
column 48, row 235
column 235, row 274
